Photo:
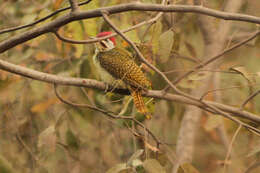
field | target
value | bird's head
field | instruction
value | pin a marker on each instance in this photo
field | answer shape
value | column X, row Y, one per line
column 107, row 44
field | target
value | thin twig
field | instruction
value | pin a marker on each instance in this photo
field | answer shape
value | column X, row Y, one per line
column 40, row 20
column 202, row 70
column 249, row 98
column 247, row 126
column 221, row 89
column 252, row 167
column 231, row 146
column 35, row 158
column 135, row 6
column 215, row 57
column 94, row 40
column 109, row 114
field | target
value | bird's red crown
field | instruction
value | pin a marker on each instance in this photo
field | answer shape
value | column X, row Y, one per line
column 106, row 33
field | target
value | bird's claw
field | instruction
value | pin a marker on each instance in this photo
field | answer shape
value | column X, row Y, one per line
column 107, row 88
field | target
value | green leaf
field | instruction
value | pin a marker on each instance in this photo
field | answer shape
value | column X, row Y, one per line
column 72, row 140
column 5, row 166
column 77, row 34
column 165, row 45
column 156, row 32
column 153, row 166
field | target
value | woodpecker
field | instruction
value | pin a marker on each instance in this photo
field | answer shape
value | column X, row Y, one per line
column 117, row 67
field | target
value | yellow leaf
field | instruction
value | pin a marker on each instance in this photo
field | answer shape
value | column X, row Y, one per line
column 156, row 32
column 41, row 107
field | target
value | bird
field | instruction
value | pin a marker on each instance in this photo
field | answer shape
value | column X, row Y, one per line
column 117, row 67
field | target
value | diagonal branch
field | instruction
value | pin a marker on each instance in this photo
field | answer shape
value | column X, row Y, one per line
column 249, row 98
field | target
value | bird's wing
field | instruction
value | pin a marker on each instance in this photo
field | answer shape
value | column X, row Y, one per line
column 121, row 66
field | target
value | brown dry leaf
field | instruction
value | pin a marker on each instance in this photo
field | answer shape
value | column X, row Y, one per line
column 44, row 56
column 154, row 149
column 43, row 106
column 57, row 4
column 3, row 75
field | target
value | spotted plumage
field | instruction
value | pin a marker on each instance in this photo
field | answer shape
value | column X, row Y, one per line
column 116, row 64
column 120, row 65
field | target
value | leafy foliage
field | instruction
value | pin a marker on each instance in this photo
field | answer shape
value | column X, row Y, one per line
column 41, row 134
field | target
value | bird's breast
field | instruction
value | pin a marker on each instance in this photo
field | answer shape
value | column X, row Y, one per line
column 105, row 75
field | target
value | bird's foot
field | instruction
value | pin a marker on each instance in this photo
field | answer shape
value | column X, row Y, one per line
column 107, row 87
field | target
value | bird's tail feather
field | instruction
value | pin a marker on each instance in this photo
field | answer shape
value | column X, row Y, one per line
column 139, row 103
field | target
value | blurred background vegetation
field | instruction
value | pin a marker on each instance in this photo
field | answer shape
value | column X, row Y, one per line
column 40, row 134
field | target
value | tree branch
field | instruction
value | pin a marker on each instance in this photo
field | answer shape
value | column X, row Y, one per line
column 109, row 114
column 216, row 57
column 109, row 36
column 74, row 5
column 90, row 83
column 63, row 20
column 39, row 20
